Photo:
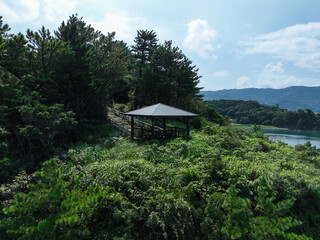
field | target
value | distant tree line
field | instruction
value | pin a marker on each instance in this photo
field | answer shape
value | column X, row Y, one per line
column 251, row 112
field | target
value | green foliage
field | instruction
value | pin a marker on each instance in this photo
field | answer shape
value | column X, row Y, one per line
column 251, row 112
column 121, row 107
column 42, row 128
column 196, row 122
column 48, row 82
column 220, row 184
column 45, row 122
column 213, row 116
column 163, row 74
column 208, row 113
column 214, row 216
column 270, row 223
column 56, row 207
column 256, row 128
column 238, row 221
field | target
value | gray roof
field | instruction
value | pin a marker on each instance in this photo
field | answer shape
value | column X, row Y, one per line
column 160, row 110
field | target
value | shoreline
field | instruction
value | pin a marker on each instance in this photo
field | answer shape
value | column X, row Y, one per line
column 262, row 127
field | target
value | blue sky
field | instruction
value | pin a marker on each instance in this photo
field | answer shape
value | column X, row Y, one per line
column 235, row 44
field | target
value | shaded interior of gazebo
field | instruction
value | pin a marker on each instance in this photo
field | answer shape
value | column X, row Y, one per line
column 159, row 111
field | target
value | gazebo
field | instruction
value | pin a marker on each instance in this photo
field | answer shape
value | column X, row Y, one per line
column 160, row 111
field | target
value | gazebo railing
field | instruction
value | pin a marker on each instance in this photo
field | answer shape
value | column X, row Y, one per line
column 170, row 132
column 120, row 127
column 146, row 132
column 141, row 124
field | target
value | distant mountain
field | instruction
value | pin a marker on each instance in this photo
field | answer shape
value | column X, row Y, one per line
column 292, row 98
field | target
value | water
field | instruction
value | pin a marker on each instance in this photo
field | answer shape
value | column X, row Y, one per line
column 293, row 137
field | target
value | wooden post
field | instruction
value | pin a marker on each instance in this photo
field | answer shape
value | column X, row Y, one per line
column 132, row 127
column 188, row 127
column 152, row 127
column 164, row 127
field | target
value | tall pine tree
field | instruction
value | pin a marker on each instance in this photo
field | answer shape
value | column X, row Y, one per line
column 145, row 45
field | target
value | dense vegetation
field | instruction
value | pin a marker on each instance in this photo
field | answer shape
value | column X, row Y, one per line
column 52, row 86
column 292, row 98
column 251, row 112
column 221, row 184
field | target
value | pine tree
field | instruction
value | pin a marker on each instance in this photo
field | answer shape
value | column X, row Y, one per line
column 145, row 45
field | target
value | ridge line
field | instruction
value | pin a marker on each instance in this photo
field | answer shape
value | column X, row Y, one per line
column 155, row 109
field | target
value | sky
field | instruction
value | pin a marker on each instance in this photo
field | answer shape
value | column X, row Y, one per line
column 235, row 44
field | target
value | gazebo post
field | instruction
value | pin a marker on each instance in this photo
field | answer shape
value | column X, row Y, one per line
column 152, row 127
column 188, row 126
column 164, row 126
column 132, row 127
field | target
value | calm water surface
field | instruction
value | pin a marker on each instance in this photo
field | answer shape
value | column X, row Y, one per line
column 293, row 137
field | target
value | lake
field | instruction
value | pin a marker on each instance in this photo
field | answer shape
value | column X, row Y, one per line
column 293, row 137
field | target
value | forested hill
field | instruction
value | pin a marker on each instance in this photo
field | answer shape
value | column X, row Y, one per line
column 292, row 98
column 251, row 112
column 53, row 85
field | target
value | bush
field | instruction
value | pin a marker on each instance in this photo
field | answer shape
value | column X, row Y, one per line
column 196, row 122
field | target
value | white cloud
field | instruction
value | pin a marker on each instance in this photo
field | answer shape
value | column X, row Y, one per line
column 199, row 38
column 299, row 44
column 273, row 76
column 221, row 45
column 221, row 74
column 58, row 10
column 19, row 11
column 124, row 25
column 244, row 82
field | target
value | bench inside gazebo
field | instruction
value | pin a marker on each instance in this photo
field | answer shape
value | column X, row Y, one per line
column 159, row 111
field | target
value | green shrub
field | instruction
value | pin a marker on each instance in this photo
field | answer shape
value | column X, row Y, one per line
column 221, row 183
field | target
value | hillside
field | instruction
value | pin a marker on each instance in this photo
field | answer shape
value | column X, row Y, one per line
column 222, row 183
column 292, row 98
column 251, row 112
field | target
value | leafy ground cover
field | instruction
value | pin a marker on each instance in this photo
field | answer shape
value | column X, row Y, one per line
column 222, row 183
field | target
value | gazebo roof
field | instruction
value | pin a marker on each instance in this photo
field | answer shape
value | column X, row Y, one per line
column 160, row 110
